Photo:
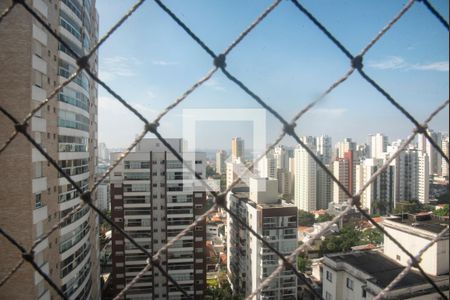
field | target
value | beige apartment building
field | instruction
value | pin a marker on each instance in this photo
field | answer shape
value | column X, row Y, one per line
column 33, row 196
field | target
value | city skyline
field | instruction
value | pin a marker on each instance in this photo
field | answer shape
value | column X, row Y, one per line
column 344, row 210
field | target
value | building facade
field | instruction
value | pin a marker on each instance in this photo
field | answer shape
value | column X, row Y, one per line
column 379, row 196
column 434, row 158
column 344, row 171
column 412, row 178
column 237, row 149
column 378, row 145
column 34, row 196
column 153, row 198
column 305, row 194
column 221, row 156
column 249, row 261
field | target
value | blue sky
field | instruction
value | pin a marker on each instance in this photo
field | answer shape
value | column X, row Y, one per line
column 286, row 60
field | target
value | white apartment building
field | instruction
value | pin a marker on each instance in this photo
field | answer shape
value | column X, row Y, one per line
column 153, row 198
column 281, row 156
column 221, row 156
column 324, row 149
column 378, row 145
column 344, row 146
column 434, row 158
column 380, row 195
column 445, row 149
column 267, row 166
column 412, row 179
column 363, row 274
column 413, row 232
column 249, row 262
column 236, row 169
column 34, row 196
column 305, row 193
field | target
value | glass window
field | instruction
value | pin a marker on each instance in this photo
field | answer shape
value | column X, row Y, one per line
column 38, row 200
column 329, row 276
column 350, row 284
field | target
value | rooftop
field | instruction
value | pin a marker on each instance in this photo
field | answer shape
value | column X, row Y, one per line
column 381, row 268
column 423, row 221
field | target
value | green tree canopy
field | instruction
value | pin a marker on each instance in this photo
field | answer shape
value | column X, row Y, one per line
column 323, row 218
column 349, row 237
column 305, row 218
column 442, row 211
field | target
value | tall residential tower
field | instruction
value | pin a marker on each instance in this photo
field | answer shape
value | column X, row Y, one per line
column 153, row 198
column 34, row 196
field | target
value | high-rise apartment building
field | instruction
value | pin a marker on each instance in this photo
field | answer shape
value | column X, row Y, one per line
column 267, row 166
column 324, row 149
column 305, row 193
column 412, row 178
column 344, row 146
column 249, row 261
column 237, row 170
column 434, row 158
column 343, row 170
column 380, row 195
column 237, row 149
column 153, row 198
column 378, row 145
column 103, row 153
column 281, row 156
column 221, row 156
column 34, row 196
column 445, row 149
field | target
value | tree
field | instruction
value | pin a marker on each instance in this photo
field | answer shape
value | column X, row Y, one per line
column 349, row 237
column 371, row 236
column 303, row 263
column 323, row 218
column 411, row 207
column 305, row 218
column 441, row 212
column 209, row 171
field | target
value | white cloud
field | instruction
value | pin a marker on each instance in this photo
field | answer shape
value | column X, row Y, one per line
column 435, row 66
column 396, row 62
column 118, row 66
column 392, row 62
column 164, row 63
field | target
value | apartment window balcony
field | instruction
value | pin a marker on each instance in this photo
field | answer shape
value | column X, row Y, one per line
column 70, row 25
column 74, row 260
column 75, row 7
column 79, row 235
column 77, row 99
column 71, row 287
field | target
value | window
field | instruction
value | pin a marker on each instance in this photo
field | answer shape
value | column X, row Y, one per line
column 398, row 257
column 38, row 79
column 350, row 284
column 329, row 276
column 364, row 293
column 38, row 169
column 328, row 296
column 38, row 200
